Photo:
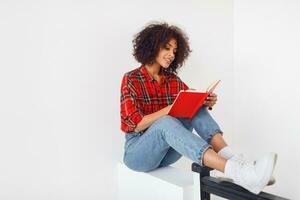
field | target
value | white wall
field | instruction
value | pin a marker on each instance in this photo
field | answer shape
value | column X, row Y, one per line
column 212, row 56
column 54, row 144
column 60, row 71
column 266, row 86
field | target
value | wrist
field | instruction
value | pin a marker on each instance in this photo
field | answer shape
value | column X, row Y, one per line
column 166, row 110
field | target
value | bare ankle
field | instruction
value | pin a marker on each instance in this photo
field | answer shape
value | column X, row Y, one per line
column 213, row 160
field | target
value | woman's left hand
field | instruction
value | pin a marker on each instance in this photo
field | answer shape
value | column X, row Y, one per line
column 211, row 100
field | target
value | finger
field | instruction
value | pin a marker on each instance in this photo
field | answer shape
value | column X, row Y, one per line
column 206, row 103
column 208, row 98
column 211, row 99
column 212, row 95
column 212, row 103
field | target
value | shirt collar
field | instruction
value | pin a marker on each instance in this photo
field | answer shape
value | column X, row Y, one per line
column 150, row 78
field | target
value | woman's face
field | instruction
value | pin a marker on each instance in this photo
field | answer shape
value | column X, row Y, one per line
column 166, row 54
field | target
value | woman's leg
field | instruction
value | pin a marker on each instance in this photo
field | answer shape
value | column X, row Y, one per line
column 213, row 160
column 172, row 155
column 210, row 159
column 146, row 151
column 207, row 128
column 218, row 142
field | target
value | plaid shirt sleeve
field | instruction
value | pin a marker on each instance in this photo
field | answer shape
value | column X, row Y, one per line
column 131, row 115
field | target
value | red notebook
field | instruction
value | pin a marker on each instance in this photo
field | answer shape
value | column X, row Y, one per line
column 188, row 102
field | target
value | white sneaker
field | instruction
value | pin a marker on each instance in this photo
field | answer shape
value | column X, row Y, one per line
column 251, row 177
column 240, row 158
column 272, row 179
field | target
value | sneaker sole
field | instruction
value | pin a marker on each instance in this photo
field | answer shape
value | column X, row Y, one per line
column 272, row 180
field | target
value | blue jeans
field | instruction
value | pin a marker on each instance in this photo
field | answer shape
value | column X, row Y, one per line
column 167, row 139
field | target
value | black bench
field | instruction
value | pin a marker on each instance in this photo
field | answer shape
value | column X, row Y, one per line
column 211, row 185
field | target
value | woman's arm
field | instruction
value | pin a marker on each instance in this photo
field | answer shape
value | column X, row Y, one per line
column 149, row 119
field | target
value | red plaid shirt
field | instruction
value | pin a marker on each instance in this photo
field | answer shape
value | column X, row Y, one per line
column 142, row 95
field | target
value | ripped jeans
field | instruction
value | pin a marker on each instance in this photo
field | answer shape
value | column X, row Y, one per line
column 167, row 139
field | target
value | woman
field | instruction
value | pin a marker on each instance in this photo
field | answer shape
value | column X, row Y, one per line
column 154, row 139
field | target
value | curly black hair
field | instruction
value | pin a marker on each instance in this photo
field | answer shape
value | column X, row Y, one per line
column 147, row 43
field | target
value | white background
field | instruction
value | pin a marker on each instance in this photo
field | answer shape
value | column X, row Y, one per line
column 266, row 86
column 61, row 64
